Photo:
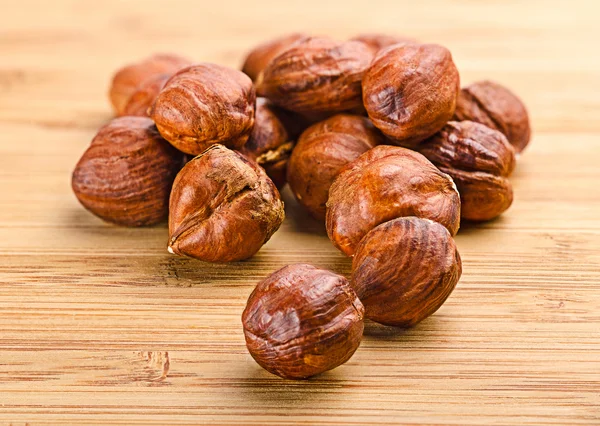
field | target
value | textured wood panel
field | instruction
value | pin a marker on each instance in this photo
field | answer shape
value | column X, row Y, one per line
column 100, row 324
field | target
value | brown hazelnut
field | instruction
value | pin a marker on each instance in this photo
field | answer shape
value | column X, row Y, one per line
column 384, row 183
column 203, row 105
column 404, row 270
column 143, row 97
column 316, row 75
column 261, row 55
column 125, row 176
column 322, row 150
column 269, row 143
column 497, row 107
column 479, row 160
column 410, row 91
column 301, row 321
column 378, row 41
column 127, row 79
column 223, row 207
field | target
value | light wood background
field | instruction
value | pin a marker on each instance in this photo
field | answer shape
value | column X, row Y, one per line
column 100, row 324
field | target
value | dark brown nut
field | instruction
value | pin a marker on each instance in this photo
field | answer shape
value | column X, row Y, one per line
column 316, row 75
column 479, row 160
column 203, row 105
column 497, row 107
column 382, row 184
column 126, row 81
column 404, row 270
column 322, row 150
column 302, row 321
column 143, row 97
column 269, row 143
column 126, row 174
column 378, row 41
column 261, row 55
column 410, row 91
column 223, row 207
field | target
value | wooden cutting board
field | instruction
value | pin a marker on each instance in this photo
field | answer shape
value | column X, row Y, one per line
column 99, row 324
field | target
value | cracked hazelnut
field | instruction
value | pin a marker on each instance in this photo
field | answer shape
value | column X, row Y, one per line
column 382, row 184
column 316, row 75
column 269, row 143
column 479, row 160
column 125, row 176
column 410, row 91
column 322, row 150
column 203, row 105
column 261, row 55
column 143, row 97
column 498, row 108
column 301, row 321
column 404, row 270
column 378, row 41
column 223, row 207
column 126, row 81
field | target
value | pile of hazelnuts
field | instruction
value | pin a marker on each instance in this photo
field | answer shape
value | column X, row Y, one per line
column 374, row 136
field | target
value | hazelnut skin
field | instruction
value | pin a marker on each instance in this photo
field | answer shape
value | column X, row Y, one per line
column 223, row 207
column 269, row 143
column 203, row 105
column 410, row 91
column 498, row 108
column 126, row 174
column 378, row 41
column 404, row 270
column 322, row 150
column 384, row 183
column 261, row 55
column 301, row 321
column 128, row 79
column 479, row 160
column 316, row 75
column 143, row 97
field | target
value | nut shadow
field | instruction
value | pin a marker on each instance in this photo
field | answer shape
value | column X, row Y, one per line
column 296, row 216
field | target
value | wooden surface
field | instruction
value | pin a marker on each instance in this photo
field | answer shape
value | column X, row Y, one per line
column 100, row 324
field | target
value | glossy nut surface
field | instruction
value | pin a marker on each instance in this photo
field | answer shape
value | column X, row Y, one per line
column 410, row 91
column 269, row 143
column 128, row 79
column 301, row 321
column 261, row 55
column 203, row 105
column 223, row 207
column 125, row 176
column 316, row 75
column 382, row 184
column 322, row 151
column 143, row 96
column 497, row 107
column 479, row 159
column 404, row 270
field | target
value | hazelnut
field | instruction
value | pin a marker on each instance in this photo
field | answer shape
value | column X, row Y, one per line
column 322, row 150
column 384, row 183
column 316, row 75
column 269, row 143
column 223, row 207
column 410, row 91
column 125, row 176
column 261, row 55
column 479, row 160
column 378, row 41
column 301, row 321
column 203, row 105
column 143, row 97
column 127, row 79
column 497, row 107
column 404, row 270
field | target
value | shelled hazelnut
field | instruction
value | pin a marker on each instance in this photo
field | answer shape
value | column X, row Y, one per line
column 378, row 41
column 143, row 96
column 258, row 59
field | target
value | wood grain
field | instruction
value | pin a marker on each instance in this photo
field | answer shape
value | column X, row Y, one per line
column 99, row 324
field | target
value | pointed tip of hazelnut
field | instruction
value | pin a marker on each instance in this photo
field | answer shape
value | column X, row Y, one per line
column 170, row 250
